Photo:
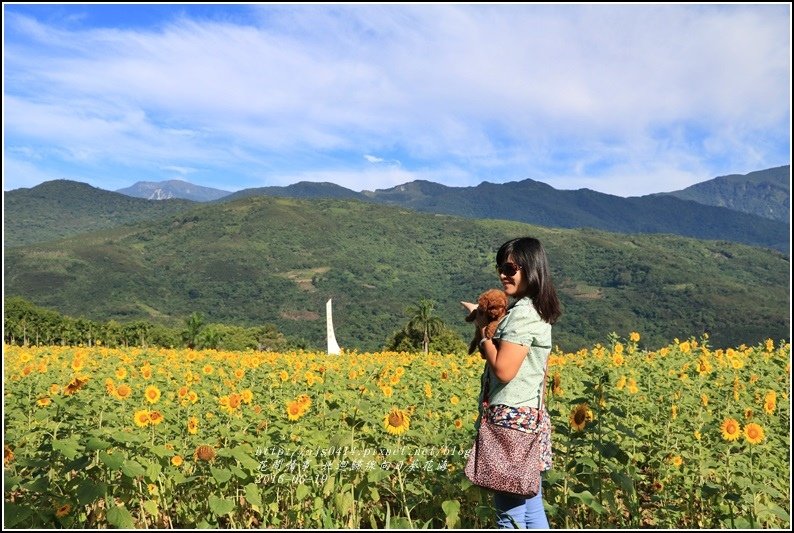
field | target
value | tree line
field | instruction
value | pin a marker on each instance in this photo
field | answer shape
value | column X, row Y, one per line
column 28, row 324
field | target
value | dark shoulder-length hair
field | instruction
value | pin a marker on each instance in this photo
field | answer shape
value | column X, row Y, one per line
column 528, row 253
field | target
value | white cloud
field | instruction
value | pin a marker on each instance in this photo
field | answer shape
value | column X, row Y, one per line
column 372, row 159
column 559, row 93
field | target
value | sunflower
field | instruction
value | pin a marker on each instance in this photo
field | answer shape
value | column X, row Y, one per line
column 617, row 359
column 141, row 418
column 428, row 390
column 146, row 372
column 205, row 452
column 234, row 401
column 192, row 425
column 283, row 375
column 155, row 417
column 621, row 383
column 396, row 421
column 123, row 391
column 704, row 399
column 677, row 461
column 121, row 373
column 152, row 394
column 458, row 423
column 632, row 386
column 580, row 415
column 55, row 389
column 730, row 429
column 556, row 382
column 769, row 406
column 182, row 392
column 634, row 336
column 352, row 375
column 44, row 401
column 304, row 401
column 294, row 410
column 63, row 510
column 247, row 396
column 387, row 391
column 192, row 396
column 454, row 400
column 177, row 460
column 75, row 385
column 239, row 373
column 704, row 367
column 753, row 433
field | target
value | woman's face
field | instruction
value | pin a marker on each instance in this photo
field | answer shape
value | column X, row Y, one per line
column 513, row 280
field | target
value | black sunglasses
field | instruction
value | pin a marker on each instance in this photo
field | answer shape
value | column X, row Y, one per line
column 508, row 269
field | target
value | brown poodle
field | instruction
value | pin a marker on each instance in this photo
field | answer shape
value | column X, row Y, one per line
column 493, row 303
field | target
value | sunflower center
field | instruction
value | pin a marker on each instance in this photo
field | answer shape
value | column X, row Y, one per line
column 396, row 420
column 579, row 417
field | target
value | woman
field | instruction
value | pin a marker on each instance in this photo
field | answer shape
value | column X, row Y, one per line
column 516, row 359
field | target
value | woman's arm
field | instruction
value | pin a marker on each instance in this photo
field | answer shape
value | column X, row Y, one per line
column 505, row 359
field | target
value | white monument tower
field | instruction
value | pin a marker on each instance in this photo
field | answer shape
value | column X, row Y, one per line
column 333, row 347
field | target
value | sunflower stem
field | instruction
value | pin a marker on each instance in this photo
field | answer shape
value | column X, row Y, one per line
column 752, row 484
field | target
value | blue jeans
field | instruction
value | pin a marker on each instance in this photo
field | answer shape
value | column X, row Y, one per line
column 527, row 513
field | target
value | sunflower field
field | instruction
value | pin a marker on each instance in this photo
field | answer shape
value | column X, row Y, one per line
column 686, row 436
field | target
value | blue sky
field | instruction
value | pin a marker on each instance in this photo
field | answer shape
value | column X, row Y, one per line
column 623, row 99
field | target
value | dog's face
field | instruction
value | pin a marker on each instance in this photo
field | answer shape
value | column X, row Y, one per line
column 493, row 303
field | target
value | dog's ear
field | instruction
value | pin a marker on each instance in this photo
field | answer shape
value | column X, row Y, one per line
column 472, row 315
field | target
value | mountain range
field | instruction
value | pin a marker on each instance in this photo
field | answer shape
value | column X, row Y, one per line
column 765, row 193
column 276, row 260
column 711, row 210
column 167, row 190
column 256, row 257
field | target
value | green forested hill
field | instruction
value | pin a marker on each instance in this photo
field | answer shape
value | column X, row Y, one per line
column 61, row 208
column 277, row 260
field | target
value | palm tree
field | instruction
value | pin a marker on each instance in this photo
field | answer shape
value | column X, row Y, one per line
column 423, row 321
column 194, row 324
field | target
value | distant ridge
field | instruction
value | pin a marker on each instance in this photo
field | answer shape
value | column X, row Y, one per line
column 531, row 202
column 302, row 189
column 765, row 193
column 62, row 208
column 535, row 202
column 166, row 190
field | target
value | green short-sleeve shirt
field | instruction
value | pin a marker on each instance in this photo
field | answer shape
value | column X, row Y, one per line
column 522, row 325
